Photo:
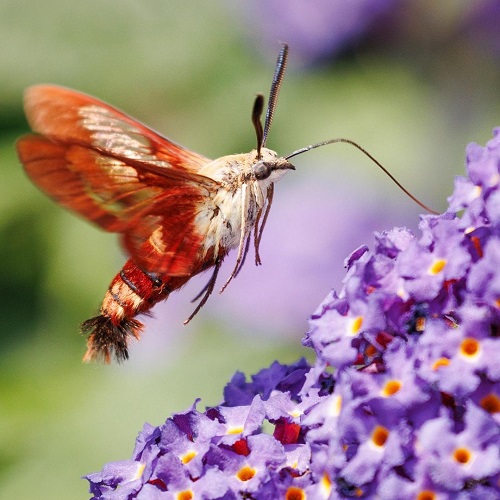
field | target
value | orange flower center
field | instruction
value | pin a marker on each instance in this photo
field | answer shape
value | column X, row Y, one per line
column 380, row 435
column 246, row 473
column 391, row 387
column 462, row 455
column 294, row 493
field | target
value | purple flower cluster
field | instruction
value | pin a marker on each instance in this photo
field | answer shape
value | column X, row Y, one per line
column 402, row 402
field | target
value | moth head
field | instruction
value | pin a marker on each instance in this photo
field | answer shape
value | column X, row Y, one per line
column 270, row 167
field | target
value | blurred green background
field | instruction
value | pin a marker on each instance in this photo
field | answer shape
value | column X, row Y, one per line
column 413, row 88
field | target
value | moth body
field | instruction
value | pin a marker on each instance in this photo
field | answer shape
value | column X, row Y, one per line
column 177, row 212
column 240, row 196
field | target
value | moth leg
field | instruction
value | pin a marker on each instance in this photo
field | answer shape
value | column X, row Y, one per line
column 245, row 235
column 259, row 230
column 242, row 263
column 206, row 291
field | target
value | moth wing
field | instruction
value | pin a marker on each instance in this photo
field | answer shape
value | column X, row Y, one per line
column 172, row 235
column 68, row 116
column 117, row 173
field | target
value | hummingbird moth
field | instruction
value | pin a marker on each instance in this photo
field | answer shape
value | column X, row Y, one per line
column 178, row 213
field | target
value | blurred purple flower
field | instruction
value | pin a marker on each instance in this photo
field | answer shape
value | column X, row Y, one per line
column 403, row 400
column 317, row 28
column 481, row 25
column 299, row 265
column 324, row 29
column 308, row 232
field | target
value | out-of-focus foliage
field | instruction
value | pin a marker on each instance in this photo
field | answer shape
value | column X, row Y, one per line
column 191, row 70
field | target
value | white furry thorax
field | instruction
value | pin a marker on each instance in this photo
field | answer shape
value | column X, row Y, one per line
column 239, row 199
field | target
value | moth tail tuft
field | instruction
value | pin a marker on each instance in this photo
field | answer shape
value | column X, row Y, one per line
column 106, row 338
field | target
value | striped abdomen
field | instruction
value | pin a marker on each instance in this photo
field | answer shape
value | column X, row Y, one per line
column 132, row 291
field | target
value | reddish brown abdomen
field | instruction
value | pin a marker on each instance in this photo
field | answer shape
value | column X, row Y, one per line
column 132, row 291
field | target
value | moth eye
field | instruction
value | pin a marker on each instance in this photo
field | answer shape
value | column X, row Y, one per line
column 262, row 171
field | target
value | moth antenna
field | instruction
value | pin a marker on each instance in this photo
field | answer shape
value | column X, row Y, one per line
column 258, row 107
column 374, row 160
column 275, row 90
